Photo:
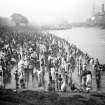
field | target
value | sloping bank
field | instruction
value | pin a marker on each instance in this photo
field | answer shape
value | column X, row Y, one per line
column 9, row 97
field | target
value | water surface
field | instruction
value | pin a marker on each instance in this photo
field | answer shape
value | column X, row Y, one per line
column 90, row 40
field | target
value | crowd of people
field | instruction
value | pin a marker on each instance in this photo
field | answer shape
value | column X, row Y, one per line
column 45, row 56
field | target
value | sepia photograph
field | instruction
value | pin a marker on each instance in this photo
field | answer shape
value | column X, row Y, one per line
column 52, row 52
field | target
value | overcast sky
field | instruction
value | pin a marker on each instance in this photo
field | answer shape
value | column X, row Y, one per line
column 47, row 11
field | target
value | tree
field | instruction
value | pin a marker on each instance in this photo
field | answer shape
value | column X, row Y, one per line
column 19, row 19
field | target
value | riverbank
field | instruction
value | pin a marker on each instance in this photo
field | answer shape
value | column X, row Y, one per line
column 9, row 97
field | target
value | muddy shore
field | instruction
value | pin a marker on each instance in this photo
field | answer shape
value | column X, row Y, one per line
column 28, row 97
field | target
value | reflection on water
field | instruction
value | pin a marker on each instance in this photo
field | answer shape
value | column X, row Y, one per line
column 90, row 40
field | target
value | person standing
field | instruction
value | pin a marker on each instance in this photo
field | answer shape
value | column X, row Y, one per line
column 59, row 82
column 43, row 71
column 84, row 73
column 97, row 73
column 17, row 79
column 80, row 74
column 88, row 80
column 1, row 76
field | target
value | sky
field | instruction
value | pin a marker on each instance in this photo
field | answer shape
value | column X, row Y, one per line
column 49, row 11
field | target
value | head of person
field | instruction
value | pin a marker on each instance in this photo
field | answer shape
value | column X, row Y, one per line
column 84, row 67
column 96, row 61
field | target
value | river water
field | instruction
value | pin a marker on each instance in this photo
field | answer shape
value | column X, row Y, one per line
column 89, row 40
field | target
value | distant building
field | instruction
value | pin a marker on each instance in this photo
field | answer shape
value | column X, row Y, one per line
column 98, row 18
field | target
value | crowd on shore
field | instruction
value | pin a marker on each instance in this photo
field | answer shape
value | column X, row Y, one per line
column 44, row 53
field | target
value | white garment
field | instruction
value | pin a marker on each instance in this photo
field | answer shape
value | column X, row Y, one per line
column 53, row 73
column 88, row 82
column 88, row 79
column 20, row 65
column 64, row 85
column 34, row 70
column 0, row 68
column 84, row 67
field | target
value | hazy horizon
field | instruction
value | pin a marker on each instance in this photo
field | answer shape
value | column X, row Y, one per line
column 50, row 11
